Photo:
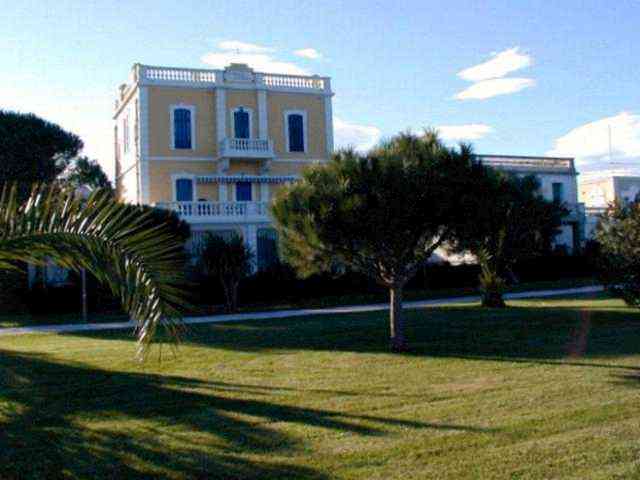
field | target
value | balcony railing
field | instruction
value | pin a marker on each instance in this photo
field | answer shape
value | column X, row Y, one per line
column 528, row 163
column 246, row 148
column 218, row 211
column 156, row 75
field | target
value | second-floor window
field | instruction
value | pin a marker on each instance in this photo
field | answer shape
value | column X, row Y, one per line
column 295, row 131
column 241, row 123
column 243, row 191
column 184, row 190
column 182, row 128
column 558, row 192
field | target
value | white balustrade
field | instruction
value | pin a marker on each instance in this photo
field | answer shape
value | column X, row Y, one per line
column 293, row 81
column 246, row 147
column 533, row 163
column 205, row 210
column 170, row 74
column 173, row 75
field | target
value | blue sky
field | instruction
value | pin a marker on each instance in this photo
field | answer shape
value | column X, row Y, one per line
column 549, row 77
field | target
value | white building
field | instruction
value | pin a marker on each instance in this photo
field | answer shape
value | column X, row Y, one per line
column 597, row 193
column 558, row 181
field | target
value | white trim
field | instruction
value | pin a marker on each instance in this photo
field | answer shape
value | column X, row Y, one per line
column 263, row 127
column 286, row 114
column 143, row 125
column 232, row 125
column 328, row 124
column 221, row 106
column 223, row 192
column 172, row 138
column 184, row 176
column 264, row 192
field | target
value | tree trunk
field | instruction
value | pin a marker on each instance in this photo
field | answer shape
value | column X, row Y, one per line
column 396, row 319
column 493, row 299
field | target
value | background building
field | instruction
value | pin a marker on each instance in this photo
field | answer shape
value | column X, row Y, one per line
column 559, row 182
column 597, row 193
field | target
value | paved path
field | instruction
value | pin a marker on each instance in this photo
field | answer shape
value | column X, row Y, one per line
column 81, row 327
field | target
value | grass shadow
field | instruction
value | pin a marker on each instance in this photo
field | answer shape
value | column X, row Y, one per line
column 73, row 421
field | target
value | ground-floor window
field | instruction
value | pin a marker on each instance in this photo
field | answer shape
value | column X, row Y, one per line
column 267, row 248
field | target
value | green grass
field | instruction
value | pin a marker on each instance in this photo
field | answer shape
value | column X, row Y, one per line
column 544, row 389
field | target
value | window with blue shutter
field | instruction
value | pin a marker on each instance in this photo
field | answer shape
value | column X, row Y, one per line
column 243, row 191
column 558, row 192
column 184, row 190
column 296, row 132
column 267, row 248
column 241, row 123
column 182, row 128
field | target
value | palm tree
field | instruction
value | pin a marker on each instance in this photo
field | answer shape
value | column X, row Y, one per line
column 139, row 260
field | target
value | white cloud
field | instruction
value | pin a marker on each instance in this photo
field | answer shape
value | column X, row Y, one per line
column 258, row 61
column 243, row 47
column 589, row 143
column 310, row 53
column 360, row 137
column 494, row 87
column 472, row 131
column 502, row 63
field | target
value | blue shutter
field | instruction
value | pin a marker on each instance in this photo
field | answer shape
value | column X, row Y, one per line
column 241, row 123
column 558, row 192
column 184, row 190
column 243, row 191
column 267, row 248
column 182, row 128
column 296, row 133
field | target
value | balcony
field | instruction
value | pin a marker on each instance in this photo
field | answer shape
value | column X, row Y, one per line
column 219, row 212
column 246, row 148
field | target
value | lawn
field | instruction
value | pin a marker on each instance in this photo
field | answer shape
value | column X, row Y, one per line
column 544, row 389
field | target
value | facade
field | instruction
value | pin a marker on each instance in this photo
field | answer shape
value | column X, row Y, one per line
column 597, row 193
column 558, row 181
column 215, row 145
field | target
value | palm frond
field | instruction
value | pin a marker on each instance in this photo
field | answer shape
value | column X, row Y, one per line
column 141, row 262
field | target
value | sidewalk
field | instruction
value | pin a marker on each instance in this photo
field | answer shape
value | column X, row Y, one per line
column 83, row 327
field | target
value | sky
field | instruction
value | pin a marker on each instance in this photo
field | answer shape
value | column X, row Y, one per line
column 512, row 77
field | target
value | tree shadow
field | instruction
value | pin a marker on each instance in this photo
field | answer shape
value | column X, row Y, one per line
column 68, row 420
column 541, row 334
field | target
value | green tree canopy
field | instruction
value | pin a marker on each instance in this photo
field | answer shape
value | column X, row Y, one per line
column 383, row 213
column 85, row 172
column 229, row 260
column 33, row 150
column 511, row 221
column 618, row 235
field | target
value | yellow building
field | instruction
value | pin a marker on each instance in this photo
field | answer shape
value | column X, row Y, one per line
column 214, row 145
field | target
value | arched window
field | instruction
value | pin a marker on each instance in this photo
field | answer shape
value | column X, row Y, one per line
column 184, row 190
column 241, row 123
